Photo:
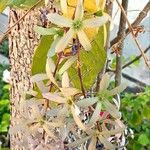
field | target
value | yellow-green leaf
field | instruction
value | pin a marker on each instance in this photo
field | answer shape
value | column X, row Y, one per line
column 40, row 55
column 92, row 62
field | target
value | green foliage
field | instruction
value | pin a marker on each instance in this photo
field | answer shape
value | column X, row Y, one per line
column 4, row 50
column 136, row 112
column 4, row 102
column 125, row 60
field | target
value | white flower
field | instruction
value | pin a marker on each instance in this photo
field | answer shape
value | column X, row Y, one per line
column 76, row 27
column 6, row 76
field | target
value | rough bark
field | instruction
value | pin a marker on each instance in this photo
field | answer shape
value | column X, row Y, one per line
column 22, row 41
column 121, row 33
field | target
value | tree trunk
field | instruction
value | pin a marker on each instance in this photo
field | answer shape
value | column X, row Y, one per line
column 22, row 41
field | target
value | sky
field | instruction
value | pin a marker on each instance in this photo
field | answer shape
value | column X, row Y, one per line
column 132, row 5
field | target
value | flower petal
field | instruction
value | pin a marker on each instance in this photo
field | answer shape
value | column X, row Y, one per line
column 67, row 92
column 49, row 69
column 77, row 119
column 104, row 82
column 78, row 142
column 106, row 143
column 59, row 20
column 67, row 64
column 65, row 80
column 79, row 10
column 111, row 109
column 39, row 77
column 54, row 97
column 51, row 51
column 84, row 40
column 92, row 145
column 95, row 117
column 96, row 22
column 87, row 102
column 97, row 3
column 62, row 44
column 42, row 87
column 48, row 131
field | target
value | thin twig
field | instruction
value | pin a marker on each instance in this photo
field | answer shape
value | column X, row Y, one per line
column 79, row 71
column 137, row 21
column 134, row 37
column 121, row 33
column 135, row 59
column 2, row 37
column 140, row 83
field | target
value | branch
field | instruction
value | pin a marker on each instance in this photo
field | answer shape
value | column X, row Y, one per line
column 121, row 34
column 79, row 68
column 134, row 80
column 136, row 58
column 2, row 37
column 137, row 21
column 133, row 35
column 109, row 8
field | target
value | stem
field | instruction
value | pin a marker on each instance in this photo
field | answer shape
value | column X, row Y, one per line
column 121, row 33
column 140, row 83
column 135, row 59
column 79, row 71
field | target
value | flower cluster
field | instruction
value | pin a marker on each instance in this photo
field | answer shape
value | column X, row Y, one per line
column 60, row 111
